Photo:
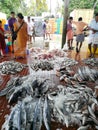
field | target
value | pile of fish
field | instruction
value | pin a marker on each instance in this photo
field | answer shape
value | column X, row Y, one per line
column 82, row 75
column 40, row 102
column 11, row 67
column 37, row 53
column 91, row 61
column 42, row 65
column 29, row 114
column 35, row 50
column 87, row 74
column 68, row 62
column 57, row 53
column 75, row 106
column 12, row 85
column 20, row 87
column 44, row 56
column 65, row 74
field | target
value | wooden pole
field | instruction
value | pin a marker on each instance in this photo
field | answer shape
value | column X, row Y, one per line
column 66, row 3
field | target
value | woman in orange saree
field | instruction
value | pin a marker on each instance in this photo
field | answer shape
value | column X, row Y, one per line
column 22, row 37
column 2, row 40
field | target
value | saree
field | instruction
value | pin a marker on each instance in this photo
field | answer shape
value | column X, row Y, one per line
column 21, row 41
column 2, row 41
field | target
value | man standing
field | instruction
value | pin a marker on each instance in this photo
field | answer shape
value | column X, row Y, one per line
column 79, row 32
column 33, row 29
column 11, row 21
column 44, row 29
column 93, row 36
column 29, row 29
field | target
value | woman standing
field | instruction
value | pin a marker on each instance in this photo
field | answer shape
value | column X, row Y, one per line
column 2, row 40
column 22, row 36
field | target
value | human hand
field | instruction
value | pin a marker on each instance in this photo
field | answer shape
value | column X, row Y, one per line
column 94, row 31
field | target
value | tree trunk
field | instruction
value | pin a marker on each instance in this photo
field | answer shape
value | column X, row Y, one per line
column 66, row 3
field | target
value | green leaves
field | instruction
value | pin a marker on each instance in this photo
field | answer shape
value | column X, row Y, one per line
column 82, row 4
column 33, row 7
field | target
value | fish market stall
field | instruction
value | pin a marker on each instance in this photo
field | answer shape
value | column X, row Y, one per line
column 11, row 67
column 41, row 102
column 54, row 94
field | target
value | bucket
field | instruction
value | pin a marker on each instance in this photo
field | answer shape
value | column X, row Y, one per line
column 47, row 44
column 6, row 27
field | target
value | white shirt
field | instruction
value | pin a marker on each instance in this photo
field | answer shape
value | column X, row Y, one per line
column 29, row 28
column 33, row 24
column 93, row 24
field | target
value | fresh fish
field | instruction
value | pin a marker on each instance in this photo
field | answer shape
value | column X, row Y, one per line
column 84, row 118
column 75, row 121
column 30, row 107
column 16, row 124
column 63, row 117
column 37, row 121
column 23, row 117
column 91, row 61
column 13, row 120
column 41, row 64
column 85, row 73
column 68, row 62
column 96, row 127
column 12, row 83
column 46, row 114
column 83, row 127
column 11, row 67
column 21, row 91
column 91, row 112
column 94, row 120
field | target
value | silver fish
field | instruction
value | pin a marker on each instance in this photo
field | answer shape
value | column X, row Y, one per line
column 46, row 114
column 37, row 121
column 83, row 127
column 91, row 112
column 23, row 117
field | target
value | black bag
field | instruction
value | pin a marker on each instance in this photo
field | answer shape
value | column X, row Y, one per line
column 14, row 33
column 14, row 36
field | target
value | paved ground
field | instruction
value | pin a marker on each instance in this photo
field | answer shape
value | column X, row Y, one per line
column 55, row 43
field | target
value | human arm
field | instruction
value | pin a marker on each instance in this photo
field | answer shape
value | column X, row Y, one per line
column 15, row 26
column 92, row 29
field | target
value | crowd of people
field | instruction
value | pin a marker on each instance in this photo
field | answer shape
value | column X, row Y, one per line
column 80, row 37
column 26, row 30
column 22, row 32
